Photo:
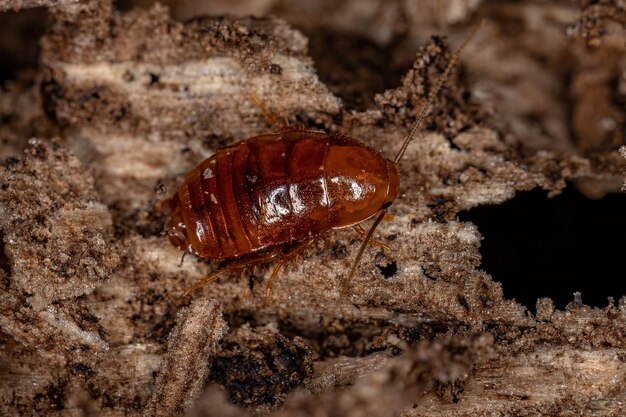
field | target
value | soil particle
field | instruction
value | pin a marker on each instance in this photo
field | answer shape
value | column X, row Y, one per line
column 259, row 366
column 57, row 235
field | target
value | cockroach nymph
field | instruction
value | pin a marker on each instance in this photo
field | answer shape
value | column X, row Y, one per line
column 271, row 195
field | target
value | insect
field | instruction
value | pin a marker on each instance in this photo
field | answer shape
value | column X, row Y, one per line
column 271, row 195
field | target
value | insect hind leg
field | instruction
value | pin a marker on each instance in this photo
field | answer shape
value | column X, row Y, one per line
column 286, row 257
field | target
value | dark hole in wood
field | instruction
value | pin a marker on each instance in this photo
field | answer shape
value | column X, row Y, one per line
column 4, row 260
column 388, row 270
column 552, row 247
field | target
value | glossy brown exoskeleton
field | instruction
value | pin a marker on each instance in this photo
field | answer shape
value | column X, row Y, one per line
column 268, row 193
column 276, row 189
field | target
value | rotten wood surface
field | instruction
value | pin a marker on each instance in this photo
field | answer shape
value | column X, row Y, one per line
column 123, row 103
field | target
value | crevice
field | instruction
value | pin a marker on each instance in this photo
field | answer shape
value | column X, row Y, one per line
column 552, row 247
column 4, row 259
column 388, row 270
column 19, row 43
column 357, row 76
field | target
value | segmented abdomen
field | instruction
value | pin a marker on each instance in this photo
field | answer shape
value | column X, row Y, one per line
column 278, row 188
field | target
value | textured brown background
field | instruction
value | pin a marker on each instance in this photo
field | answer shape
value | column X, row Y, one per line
column 105, row 106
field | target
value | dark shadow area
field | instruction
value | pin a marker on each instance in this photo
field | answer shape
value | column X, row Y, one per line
column 541, row 247
column 388, row 270
column 19, row 43
column 354, row 68
column 4, row 260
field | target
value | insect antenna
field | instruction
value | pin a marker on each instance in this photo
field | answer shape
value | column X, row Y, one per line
column 268, row 115
column 416, row 125
column 440, row 82
column 359, row 255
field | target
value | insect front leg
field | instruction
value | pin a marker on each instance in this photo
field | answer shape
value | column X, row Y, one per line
column 268, row 115
column 286, row 257
column 238, row 266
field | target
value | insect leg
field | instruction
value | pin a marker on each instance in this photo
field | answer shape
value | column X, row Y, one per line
column 273, row 120
column 182, row 259
column 270, row 283
column 293, row 252
column 202, row 282
column 376, row 242
column 236, row 266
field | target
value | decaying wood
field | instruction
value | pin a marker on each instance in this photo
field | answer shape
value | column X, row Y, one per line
column 25, row 4
column 191, row 346
column 124, row 103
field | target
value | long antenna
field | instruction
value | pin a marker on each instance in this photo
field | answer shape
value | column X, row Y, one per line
column 359, row 255
column 440, row 82
column 416, row 125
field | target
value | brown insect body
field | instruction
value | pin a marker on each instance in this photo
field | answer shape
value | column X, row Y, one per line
column 265, row 192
